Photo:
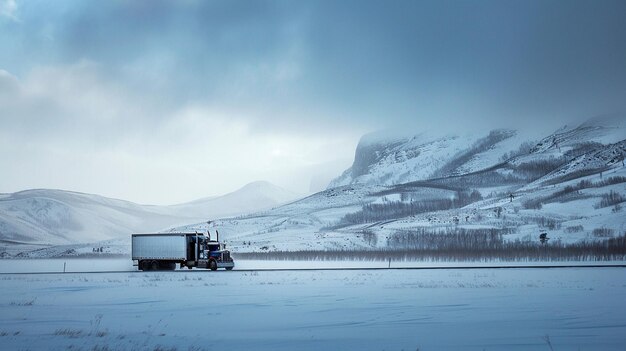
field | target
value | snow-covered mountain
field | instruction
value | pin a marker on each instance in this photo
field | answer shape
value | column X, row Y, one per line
column 253, row 197
column 570, row 183
column 382, row 158
column 56, row 217
column 385, row 159
column 47, row 216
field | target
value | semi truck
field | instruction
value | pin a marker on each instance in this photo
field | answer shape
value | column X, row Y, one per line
column 165, row 251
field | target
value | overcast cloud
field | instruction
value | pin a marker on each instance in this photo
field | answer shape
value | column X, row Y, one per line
column 168, row 101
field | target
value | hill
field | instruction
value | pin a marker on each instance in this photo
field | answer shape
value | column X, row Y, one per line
column 44, row 217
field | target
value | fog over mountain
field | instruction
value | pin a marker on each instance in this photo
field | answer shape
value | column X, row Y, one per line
column 157, row 102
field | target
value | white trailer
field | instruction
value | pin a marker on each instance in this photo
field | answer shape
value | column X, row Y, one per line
column 159, row 246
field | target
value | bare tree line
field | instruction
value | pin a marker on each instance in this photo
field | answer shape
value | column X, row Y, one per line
column 396, row 209
column 457, row 238
column 482, row 145
column 610, row 199
column 534, row 170
column 571, row 192
column 612, row 249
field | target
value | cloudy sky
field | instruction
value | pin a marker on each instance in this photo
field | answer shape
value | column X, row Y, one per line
column 167, row 101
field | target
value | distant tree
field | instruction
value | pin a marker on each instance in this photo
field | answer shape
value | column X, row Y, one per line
column 498, row 211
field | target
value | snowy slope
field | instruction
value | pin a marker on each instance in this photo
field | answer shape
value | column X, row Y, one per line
column 55, row 217
column 296, row 225
column 388, row 160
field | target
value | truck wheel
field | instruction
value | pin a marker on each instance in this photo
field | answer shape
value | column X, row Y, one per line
column 213, row 265
column 229, row 268
column 154, row 266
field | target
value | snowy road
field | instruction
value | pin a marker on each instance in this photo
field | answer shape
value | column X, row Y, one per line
column 124, row 265
column 577, row 309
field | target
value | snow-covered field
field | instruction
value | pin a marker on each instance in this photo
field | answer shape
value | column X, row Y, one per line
column 490, row 309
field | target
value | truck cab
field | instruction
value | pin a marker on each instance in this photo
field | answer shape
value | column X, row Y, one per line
column 214, row 255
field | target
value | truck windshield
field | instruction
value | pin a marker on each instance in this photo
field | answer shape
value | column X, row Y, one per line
column 214, row 247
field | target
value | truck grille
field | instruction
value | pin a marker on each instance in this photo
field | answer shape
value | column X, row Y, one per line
column 226, row 256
